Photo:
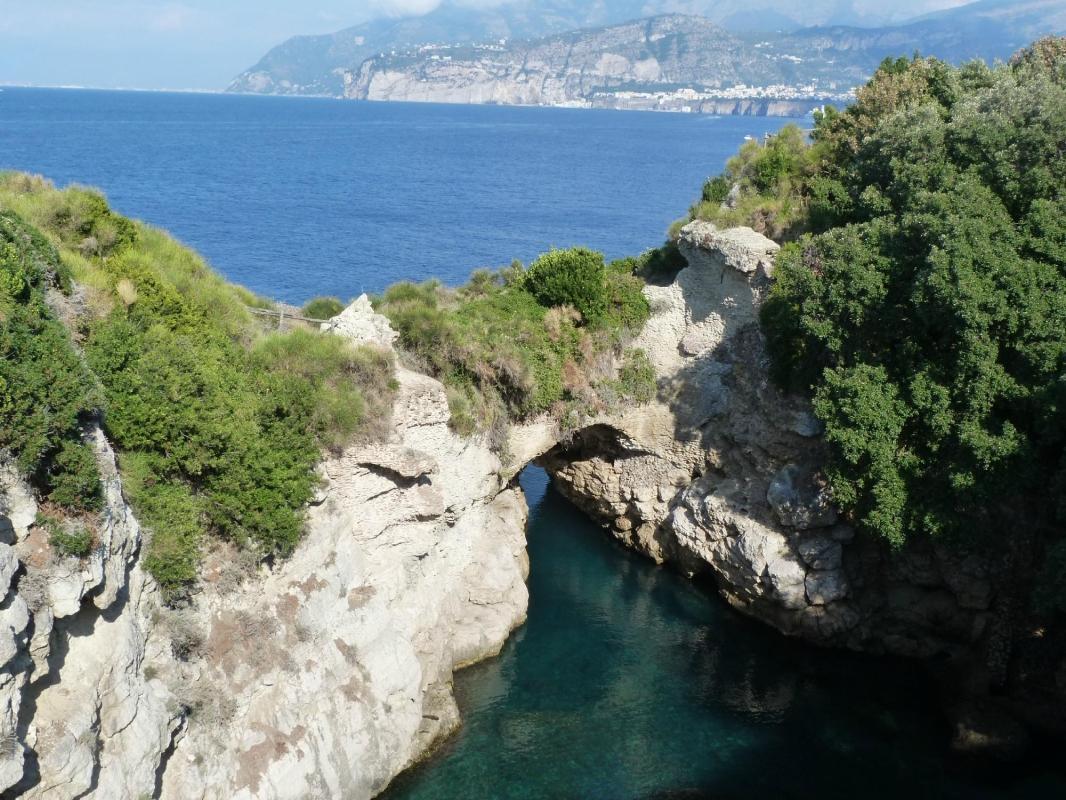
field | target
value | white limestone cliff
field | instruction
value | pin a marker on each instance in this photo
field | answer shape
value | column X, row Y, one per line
column 323, row 675
column 331, row 673
column 721, row 475
column 81, row 714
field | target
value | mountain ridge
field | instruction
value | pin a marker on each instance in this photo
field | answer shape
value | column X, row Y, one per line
column 630, row 65
column 813, row 62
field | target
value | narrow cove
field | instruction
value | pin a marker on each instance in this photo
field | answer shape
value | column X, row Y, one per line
column 629, row 681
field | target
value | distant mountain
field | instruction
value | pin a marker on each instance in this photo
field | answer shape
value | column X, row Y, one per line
column 386, row 58
column 989, row 30
column 314, row 64
column 671, row 62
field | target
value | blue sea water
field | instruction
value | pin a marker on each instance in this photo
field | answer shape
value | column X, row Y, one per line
column 296, row 197
column 627, row 681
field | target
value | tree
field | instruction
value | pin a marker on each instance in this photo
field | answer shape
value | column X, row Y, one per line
column 926, row 311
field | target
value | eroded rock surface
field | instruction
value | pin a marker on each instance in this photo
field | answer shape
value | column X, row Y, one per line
column 322, row 675
column 327, row 676
column 81, row 713
column 361, row 324
column 722, row 474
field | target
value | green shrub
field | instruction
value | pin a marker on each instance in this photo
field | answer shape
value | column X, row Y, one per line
column 174, row 517
column 323, row 308
column 217, row 425
column 627, row 307
column 45, row 390
column 350, row 388
column 82, row 219
column 661, row 265
column 774, row 177
column 74, row 478
column 576, row 277
column 502, row 355
column 716, row 190
column 636, row 378
column 67, row 537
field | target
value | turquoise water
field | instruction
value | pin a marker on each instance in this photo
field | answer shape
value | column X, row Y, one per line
column 629, row 681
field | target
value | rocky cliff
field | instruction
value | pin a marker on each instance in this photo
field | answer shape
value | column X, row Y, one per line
column 722, row 476
column 327, row 673
column 79, row 645
column 322, row 676
column 454, row 53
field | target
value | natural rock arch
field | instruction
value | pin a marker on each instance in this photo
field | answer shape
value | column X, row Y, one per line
column 327, row 673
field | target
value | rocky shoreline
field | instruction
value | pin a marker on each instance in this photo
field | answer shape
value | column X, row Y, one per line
column 328, row 673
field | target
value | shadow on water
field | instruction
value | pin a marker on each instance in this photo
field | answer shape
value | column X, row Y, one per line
column 630, row 682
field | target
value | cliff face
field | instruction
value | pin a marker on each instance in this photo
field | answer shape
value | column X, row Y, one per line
column 722, row 476
column 831, row 56
column 661, row 51
column 322, row 677
column 329, row 675
column 664, row 63
column 80, row 712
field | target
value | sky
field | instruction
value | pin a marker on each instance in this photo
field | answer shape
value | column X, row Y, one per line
column 185, row 44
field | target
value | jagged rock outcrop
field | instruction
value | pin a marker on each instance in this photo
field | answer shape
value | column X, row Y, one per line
column 735, row 488
column 320, row 676
column 81, row 715
column 359, row 323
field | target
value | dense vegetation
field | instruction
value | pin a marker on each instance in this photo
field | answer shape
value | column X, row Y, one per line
column 520, row 342
column 773, row 186
column 218, row 423
column 46, row 393
column 925, row 307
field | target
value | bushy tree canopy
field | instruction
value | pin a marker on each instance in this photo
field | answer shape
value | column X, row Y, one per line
column 926, row 313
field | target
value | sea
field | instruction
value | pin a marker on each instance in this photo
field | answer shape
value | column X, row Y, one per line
column 298, row 197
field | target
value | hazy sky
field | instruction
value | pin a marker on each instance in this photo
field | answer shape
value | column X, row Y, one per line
column 187, row 43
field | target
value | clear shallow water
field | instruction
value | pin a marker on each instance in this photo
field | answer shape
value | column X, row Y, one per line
column 629, row 682
column 296, row 197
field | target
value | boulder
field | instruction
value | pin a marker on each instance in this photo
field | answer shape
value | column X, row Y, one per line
column 800, row 500
column 362, row 325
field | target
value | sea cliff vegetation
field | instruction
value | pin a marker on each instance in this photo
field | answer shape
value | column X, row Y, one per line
column 921, row 301
column 512, row 344
column 218, row 421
